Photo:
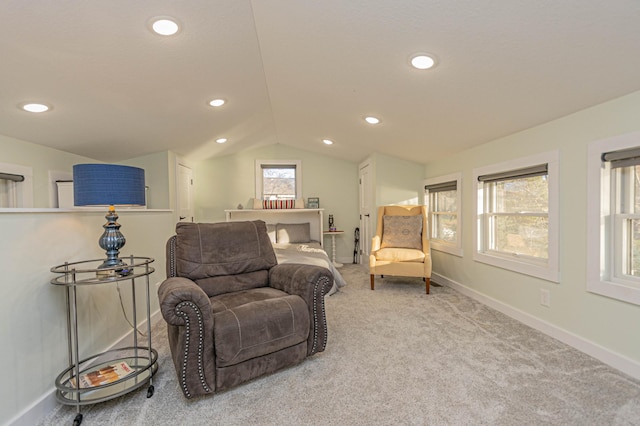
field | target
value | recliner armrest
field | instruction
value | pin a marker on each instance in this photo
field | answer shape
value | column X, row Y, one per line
column 311, row 283
column 300, row 279
column 176, row 290
column 187, row 310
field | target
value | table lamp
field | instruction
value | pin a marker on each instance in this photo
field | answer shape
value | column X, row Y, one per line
column 109, row 185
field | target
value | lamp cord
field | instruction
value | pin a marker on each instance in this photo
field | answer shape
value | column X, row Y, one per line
column 124, row 313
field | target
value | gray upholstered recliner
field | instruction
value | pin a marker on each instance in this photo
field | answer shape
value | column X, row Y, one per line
column 233, row 313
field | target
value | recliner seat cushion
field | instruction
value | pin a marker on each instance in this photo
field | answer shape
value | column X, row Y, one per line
column 258, row 328
column 233, row 300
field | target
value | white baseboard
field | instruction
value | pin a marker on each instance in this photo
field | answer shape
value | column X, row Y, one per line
column 607, row 356
column 35, row 412
column 41, row 408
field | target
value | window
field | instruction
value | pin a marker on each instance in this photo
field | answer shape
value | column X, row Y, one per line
column 614, row 218
column 9, row 189
column 518, row 214
column 278, row 179
column 625, row 205
column 16, row 186
column 443, row 200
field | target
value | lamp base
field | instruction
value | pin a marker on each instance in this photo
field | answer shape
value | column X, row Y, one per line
column 112, row 241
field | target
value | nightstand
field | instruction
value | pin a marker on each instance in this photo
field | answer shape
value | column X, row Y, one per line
column 333, row 246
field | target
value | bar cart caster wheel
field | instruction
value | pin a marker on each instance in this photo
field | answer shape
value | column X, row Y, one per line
column 150, row 391
column 77, row 420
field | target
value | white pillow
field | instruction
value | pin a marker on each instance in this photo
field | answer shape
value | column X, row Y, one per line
column 271, row 231
column 291, row 233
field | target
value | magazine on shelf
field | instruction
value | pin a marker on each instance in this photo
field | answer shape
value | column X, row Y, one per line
column 104, row 375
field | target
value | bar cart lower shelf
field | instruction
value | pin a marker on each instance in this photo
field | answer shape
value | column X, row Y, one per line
column 92, row 380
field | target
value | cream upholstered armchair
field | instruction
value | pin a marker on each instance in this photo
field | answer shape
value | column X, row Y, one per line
column 400, row 246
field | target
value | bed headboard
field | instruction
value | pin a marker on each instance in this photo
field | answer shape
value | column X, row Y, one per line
column 273, row 216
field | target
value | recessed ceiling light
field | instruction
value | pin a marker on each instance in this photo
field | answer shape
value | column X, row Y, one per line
column 221, row 140
column 372, row 120
column 35, row 107
column 217, row 102
column 327, row 141
column 165, row 26
column 422, row 61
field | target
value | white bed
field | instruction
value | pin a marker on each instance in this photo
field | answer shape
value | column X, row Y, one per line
column 296, row 235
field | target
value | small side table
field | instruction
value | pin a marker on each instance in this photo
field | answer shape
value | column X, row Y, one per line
column 333, row 246
column 141, row 359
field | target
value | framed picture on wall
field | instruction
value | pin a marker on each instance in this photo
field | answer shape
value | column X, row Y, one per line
column 313, row 203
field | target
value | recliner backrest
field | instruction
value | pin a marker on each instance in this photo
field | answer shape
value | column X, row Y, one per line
column 224, row 257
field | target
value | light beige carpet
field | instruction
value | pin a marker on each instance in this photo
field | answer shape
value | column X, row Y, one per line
column 398, row 356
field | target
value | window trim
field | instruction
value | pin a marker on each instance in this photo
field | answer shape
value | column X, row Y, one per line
column 262, row 163
column 437, row 244
column 601, row 249
column 547, row 270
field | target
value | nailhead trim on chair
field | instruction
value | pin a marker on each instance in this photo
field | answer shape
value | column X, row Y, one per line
column 183, row 375
column 172, row 257
column 318, row 298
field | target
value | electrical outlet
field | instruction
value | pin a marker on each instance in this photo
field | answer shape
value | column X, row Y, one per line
column 545, row 297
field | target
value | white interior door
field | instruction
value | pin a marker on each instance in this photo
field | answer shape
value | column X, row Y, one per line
column 184, row 194
column 366, row 209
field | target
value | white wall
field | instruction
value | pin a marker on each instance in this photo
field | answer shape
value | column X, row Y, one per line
column 159, row 170
column 32, row 311
column 42, row 160
column 156, row 172
column 603, row 322
column 224, row 182
column 396, row 181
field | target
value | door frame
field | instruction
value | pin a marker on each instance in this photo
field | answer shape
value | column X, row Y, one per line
column 366, row 209
column 182, row 163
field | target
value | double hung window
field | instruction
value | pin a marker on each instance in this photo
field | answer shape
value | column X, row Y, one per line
column 16, row 186
column 517, row 216
column 614, row 218
column 442, row 196
column 624, row 173
column 516, row 213
column 9, row 189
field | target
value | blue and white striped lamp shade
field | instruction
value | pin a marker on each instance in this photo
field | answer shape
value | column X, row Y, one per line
column 107, row 184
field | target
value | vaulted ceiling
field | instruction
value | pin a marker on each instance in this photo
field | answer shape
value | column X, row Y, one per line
column 295, row 72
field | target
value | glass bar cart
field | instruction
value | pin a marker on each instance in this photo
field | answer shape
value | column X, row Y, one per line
column 115, row 372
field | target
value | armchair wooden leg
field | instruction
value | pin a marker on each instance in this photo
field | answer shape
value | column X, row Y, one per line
column 428, row 282
column 372, row 282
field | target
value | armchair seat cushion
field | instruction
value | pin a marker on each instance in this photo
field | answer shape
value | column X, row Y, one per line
column 257, row 324
column 400, row 255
